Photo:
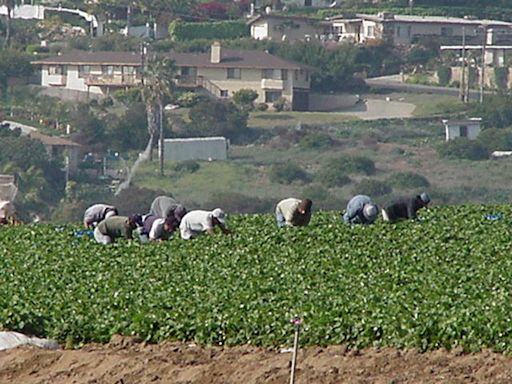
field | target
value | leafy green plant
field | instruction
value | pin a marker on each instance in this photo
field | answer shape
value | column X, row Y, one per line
column 316, row 141
column 463, row 148
column 407, row 180
column 372, row 187
column 287, row 173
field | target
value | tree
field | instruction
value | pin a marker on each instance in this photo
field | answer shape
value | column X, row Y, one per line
column 158, row 84
column 244, row 98
column 9, row 4
column 216, row 117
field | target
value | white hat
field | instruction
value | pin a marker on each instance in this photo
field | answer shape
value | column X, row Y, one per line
column 219, row 215
column 370, row 211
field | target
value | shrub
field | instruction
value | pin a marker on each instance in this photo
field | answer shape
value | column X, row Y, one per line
column 287, row 173
column 372, row 187
column 281, row 104
column 444, row 75
column 262, row 107
column 190, row 99
column 316, row 192
column 187, row 166
column 351, row 164
column 244, row 98
column 180, row 30
column 501, row 77
column 333, row 175
column 495, row 139
column 463, row 148
column 316, row 141
column 407, row 180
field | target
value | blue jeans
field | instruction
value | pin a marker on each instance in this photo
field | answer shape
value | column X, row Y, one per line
column 281, row 222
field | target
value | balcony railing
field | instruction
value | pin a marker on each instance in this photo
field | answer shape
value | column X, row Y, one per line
column 112, row 80
column 272, row 84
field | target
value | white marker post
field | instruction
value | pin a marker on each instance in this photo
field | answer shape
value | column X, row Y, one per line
column 296, row 321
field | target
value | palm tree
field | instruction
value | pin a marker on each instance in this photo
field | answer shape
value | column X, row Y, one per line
column 9, row 4
column 159, row 76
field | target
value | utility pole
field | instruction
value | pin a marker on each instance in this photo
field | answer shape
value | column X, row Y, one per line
column 482, row 76
column 161, row 141
column 463, row 72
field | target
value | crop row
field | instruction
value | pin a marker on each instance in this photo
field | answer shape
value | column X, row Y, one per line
column 443, row 281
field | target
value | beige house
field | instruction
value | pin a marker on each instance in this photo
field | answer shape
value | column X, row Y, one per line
column 404, row 29
column 221, row 72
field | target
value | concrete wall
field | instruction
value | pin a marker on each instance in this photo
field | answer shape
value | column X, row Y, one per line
column 201, row 148
column 324, row 103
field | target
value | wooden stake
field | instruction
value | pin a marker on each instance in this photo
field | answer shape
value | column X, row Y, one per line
column 295, row 321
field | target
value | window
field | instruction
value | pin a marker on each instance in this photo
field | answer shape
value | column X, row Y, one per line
column 83, row 71
column 370, row 31
column 234, row 73
column 284, row 74
column 296, row 75
column 271, row 96
column 267, row 73
column 128, row 71
column 55, row 70
column 224, row 93
column 398, row 31
column 107, row 70
column 308, row 3
column 463, row 131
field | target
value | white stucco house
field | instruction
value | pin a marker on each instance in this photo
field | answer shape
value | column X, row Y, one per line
column 404, row 29
column 220, row 72
column 469, row 128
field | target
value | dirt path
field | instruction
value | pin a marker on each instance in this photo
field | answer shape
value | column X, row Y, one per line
column 125, row 361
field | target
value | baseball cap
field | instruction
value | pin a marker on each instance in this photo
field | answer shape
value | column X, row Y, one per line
column 370, row 211
column 219, row 215
column 137, row 219
column 425, row 197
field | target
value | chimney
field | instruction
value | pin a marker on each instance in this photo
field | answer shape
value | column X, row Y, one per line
column 215, row 53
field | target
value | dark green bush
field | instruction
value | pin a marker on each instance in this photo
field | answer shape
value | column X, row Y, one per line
column 501, row 77
column 407, row 180
column 496, row 139
column 463, row 148
column 444, row 75
column 333, row 175
column 287, row 173
column 316, row 141
column 190, row 99
column 372, row 187
column 181, row 30
column 187, row 166
column 351, row 164
column 262, row 107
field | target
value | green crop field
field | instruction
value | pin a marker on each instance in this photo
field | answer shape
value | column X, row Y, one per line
column 442, row 281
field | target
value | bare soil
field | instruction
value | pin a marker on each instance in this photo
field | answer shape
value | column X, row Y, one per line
column 126, row 360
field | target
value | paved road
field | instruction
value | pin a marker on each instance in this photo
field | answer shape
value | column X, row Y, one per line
column 394, row 82
column 374, row 109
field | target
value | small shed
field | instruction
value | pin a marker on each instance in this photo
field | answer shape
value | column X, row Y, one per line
column 469, row 128
column 197, row 148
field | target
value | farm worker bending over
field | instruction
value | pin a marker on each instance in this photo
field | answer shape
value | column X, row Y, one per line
column 115, row 227
column 7, row 213
column 293, row 212
column 157, row 228
column 98, row 212
column 165, row 206
column 405, row 208
column 197, row 222
column 361, row 210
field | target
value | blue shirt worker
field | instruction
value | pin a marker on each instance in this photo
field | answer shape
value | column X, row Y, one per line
column 361, row 210
column 405, row 207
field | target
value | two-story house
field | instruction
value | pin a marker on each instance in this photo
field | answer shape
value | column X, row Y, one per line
column 221, row 72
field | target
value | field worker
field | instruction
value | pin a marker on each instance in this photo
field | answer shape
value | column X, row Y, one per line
column 197, row 222
column 156, row 228
column 360, row 210
column 7, row 213
column 108, row 230
column 405, row 208
column 165, row 206
column 293, row 212
column 98, row 212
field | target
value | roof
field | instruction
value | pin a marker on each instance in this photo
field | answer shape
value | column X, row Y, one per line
column 472, row 120
column 229, row 59
column 52, row 140
column 88, row 58
column 434, row 20
column 253, row 19
column 235, row 59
